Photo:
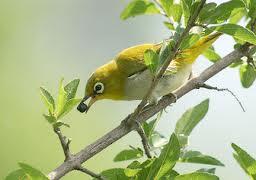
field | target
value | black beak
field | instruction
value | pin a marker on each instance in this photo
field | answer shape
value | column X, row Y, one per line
column 82, row 107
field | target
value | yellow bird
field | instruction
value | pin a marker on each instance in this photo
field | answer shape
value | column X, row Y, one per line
column 126, row 77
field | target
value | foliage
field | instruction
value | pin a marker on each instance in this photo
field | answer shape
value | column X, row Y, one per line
column 224, row 18
column 65, row 103
column 26, row 172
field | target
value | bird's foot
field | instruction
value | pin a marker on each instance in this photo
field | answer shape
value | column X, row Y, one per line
column 173, row 96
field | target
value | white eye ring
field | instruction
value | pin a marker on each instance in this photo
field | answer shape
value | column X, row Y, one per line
column 99, row 87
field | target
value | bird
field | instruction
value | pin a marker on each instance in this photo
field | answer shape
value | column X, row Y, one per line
column 127, row 77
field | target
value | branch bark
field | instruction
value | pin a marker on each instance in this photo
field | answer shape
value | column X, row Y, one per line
column 122, row 130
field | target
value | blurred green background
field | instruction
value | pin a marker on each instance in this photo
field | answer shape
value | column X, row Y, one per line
column 44, row 40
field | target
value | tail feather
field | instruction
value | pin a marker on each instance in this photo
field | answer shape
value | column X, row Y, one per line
column 199, row 47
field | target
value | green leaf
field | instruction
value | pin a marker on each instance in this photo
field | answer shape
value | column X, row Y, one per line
column 128, row 154
column 197, row 176
column 157, row 140
column 211, row 55
column 252, row 8
column 165, row 51
column 191, row 118
column 145, row 167
column 237, row 15
column 69, row 105
column 150, row 127
column 198, row 157
column 167, row 159
column 204, row 13
column 189, row 41
column 247, row 162
column 35, row 174
column 50, row 119
column 238, row 32
column 169, row 25
column 176, row 12
column 139, row 7
column 62, row 98
column 166, row 4
column 115, row 174
column 211, row 170
column 71, row 88
column 247, row 75
column 48, row 99
column 222, row 12
column 151, row 60
column 18, row 175
column 186, row 10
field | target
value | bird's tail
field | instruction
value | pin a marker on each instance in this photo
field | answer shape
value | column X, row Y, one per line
column 199, row 47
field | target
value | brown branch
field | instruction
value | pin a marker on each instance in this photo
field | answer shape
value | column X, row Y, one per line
column 88, row 172
column 122, row 130
column 64, row 143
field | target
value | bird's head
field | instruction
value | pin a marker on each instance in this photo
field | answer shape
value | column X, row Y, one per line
column 105, row 83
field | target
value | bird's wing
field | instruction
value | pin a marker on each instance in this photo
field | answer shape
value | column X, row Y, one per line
column 131, row 60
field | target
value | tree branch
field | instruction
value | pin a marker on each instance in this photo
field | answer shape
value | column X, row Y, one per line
column 122, row 130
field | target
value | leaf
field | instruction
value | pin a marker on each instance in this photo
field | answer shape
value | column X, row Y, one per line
column 128, row 154
column 71, row 88
column 115, row 174
column 197, row 176
column 211, row 170
column 247, row 162
column 150, row 127
column 238, row 32
column 157, row 140
column 151, row 60
column 191, row 118
column 169, row 25
column 189, row 41
column 48, row 99
column 222, row 12
column 139, row 7
column 198, row 157
column 165, row 51
column 69, row 105
column 145, row 167
column 237, row 15
column 166, row 4
column 252, row 8
column 167, row 159
column 176, row 12
column 247, row 75
column 62, row 98
column 204, row 13
column 186, row 10
column 50, row 119
column 35, row 174
column 18, row 175
column 211, row 55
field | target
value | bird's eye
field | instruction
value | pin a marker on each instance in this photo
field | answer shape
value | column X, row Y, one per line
column 99, row 87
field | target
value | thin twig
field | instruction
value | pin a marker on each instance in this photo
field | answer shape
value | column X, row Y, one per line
column 206, row 86
column 144, row 139
column 64, row 143
column 90, row 173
